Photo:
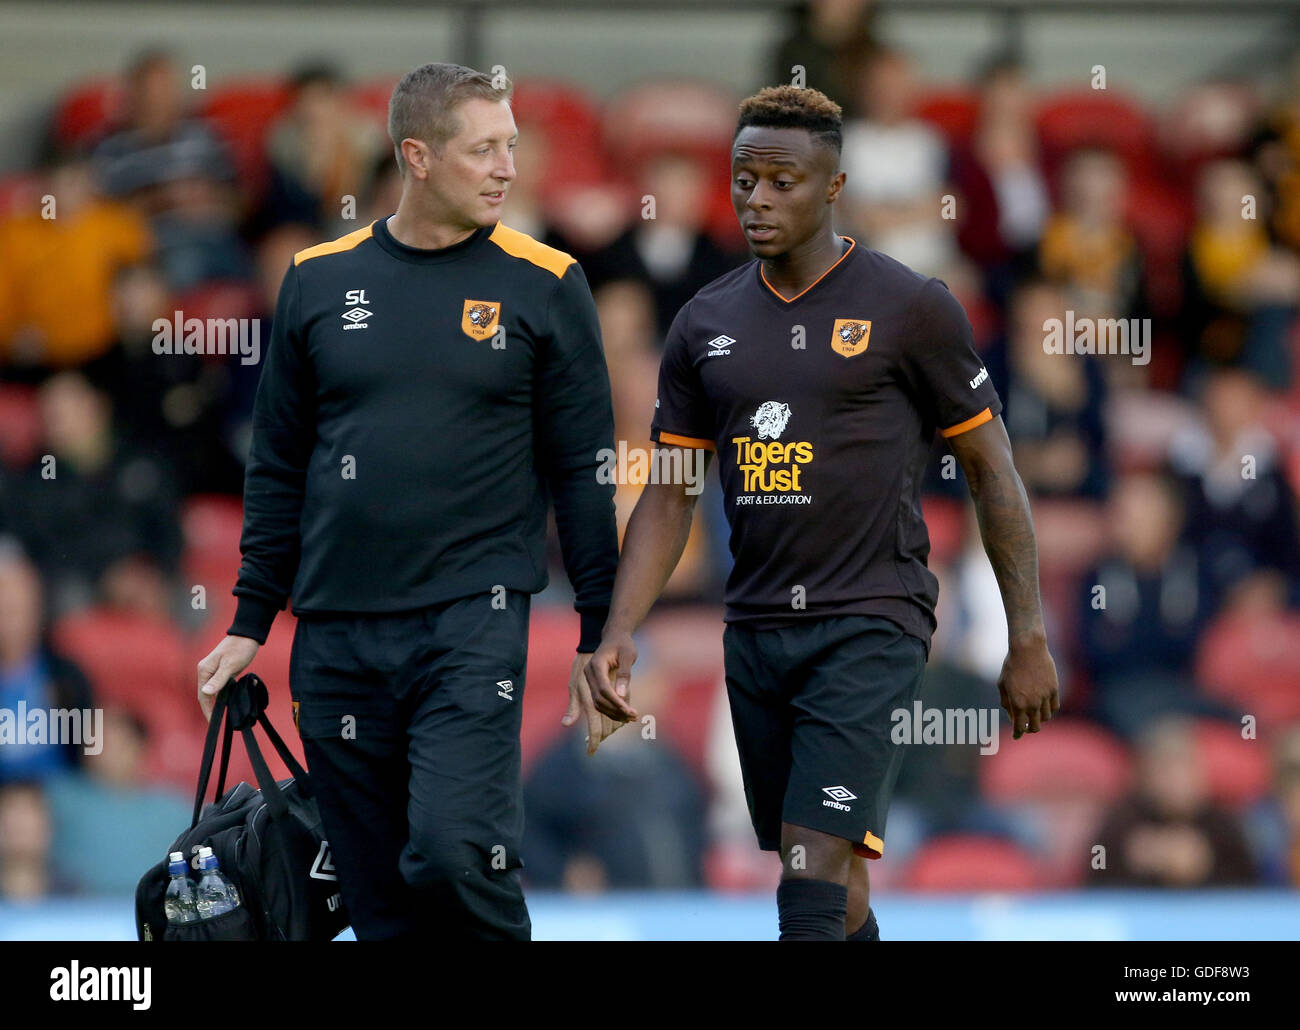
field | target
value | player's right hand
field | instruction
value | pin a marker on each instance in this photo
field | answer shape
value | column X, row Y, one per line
column 609, row 675
column 226, row 661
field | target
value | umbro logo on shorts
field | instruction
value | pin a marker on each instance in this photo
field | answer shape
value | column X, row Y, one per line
column 838, row 795
column 506, row 689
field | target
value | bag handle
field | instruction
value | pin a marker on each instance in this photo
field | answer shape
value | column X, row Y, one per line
column 242, row 705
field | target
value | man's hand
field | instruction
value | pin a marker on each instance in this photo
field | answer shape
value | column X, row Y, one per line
column 227, row 660
column 609, row 675
column 1028, row 686
column 598, row 726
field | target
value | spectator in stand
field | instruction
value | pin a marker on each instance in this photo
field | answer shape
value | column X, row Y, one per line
column 56, row 273
column 829, row 40
column 110, row 800
column 630, row 817
column 1003, row 200
column 320, row 150
column 25, row 833
column 1275, row 821
column 176, row 171
column 1141, row 611
column 1087, row 245
column 97, row 516
column 671, row 253
column 1055, row 403
column 165, row 404
column 1241, row 512
column 1168, row 832
column 627, row 322
column 33, row 673
column 897, row 168
column 1240, row 290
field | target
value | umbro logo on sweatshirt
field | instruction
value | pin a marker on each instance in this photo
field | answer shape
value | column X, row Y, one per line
column 356, row 316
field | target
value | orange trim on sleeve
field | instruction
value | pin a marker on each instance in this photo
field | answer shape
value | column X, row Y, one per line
column 984, row 416
column 685, row 441
column 790, row 300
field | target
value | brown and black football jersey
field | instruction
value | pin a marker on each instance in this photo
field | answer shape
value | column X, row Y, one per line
column 822, row 408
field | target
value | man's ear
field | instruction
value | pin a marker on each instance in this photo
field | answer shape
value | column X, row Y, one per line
column 836, row 186
column 418, row 155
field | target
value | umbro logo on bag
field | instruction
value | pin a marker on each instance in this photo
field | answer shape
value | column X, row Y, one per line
column 323, row 867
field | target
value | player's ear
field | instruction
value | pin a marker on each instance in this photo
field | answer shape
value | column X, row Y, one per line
column 419, row 157
column 836, row 185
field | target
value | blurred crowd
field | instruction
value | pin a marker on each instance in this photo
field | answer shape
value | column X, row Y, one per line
column 1164, row 484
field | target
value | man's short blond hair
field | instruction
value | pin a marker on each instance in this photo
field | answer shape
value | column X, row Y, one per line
column 423, row 105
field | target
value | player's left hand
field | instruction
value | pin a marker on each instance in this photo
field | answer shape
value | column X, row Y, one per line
column 1028, row 686
column 599, row 726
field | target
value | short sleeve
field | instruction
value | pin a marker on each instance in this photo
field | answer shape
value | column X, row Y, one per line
column 939, row 362
column 682, row 417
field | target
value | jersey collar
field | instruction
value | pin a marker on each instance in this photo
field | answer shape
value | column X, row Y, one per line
column 790, row 300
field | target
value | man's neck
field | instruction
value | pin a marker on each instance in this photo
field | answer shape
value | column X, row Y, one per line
column 793, row 272
column 423, row 233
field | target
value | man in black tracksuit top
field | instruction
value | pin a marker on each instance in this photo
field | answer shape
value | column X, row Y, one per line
column 418, row 405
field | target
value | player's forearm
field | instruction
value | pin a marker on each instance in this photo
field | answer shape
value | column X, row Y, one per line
column 653, row 544
column 1007, row 530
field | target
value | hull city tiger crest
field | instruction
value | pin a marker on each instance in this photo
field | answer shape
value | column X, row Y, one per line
column 480, row 318
column 850, row 336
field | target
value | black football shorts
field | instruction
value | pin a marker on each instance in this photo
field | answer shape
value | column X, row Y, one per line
column 812, row 707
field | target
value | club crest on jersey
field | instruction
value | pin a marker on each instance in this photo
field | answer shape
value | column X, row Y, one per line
column 480, row 318
column 850, row 336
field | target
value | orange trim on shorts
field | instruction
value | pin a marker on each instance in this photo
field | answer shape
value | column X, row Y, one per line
column 984, row 416
column 871, row 846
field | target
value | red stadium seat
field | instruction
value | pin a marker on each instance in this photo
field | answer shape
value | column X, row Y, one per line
column 670, row 115
column 371, row 98
column 954, row 112
column 1249, row 661
column 1238, row 769
column 552, row 638
column 969, row 862
column 19, row 194
column 20, row 425
column 211, row 526
column 945, row 518
column 1161, row 217
column 1069, row 759
column 87, row 112
column 139, row 663
column 242, row 113
column 1096, row 118
column 570, row 122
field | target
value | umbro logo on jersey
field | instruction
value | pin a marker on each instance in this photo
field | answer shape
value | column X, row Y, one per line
column 356, row 316
column 838, row 795
column 983, row 374
column 506, row 689
column 719, row 346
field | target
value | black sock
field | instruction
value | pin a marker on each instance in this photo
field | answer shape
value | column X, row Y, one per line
column 868, row 931
column 811, row 910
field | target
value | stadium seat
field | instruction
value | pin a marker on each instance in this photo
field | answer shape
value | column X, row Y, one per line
column 20, row 194
column 970, row 862
column 570, row 122
column 670, row 115
column 371, row 98
column 552, row 637
column 945, row 518
column 1161, row 217
column 1250, row 661
column 1237, row 769
column 20, row 425
column 1096, row 118
column 242, row 113
column 87, row 112
column 1069, row 759
column 954, row 112
column 138, row 663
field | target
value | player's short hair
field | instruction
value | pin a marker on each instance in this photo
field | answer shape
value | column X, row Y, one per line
column 423, row 105
column 794, row 107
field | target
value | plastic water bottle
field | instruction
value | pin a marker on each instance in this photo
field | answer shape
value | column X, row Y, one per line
column 181, row 901
column 216, row 895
